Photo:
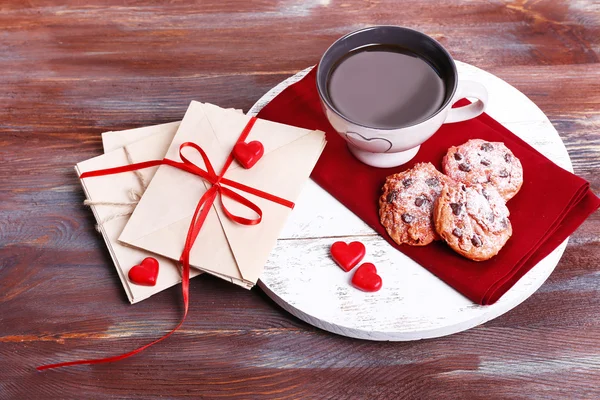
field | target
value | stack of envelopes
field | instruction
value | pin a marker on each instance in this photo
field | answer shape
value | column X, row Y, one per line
column 157, row 225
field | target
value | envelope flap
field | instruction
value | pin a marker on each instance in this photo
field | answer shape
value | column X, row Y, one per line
column 228, row 125
column 173, row 194
column 115, row 139
column 210, row 252
column 283, row 173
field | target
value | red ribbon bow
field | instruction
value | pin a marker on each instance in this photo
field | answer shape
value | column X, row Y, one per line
column 202, row 209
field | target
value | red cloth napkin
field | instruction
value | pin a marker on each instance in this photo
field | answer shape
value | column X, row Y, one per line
column 551, row 204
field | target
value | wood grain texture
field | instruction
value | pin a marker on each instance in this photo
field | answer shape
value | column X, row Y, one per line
column 72, row 70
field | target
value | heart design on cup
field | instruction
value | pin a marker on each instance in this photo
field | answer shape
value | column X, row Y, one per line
column 366, row 279
column 248, row 154
column 145, row 273
column 347, row 256
column 374, row 145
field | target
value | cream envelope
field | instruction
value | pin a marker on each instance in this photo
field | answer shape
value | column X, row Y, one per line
column 115, row 189
column 116, row 139
column 224, row 248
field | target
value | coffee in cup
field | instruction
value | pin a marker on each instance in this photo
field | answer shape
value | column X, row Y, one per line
column 387, row 89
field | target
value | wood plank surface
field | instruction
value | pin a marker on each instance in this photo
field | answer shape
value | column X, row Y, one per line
column 71, row 70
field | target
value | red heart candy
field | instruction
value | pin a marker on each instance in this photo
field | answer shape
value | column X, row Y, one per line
column 366, row 278
column 347, row 256
column 145, row 273
column 248, row 154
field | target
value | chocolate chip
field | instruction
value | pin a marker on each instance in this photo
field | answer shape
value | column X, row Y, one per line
column 456, row 208
column 486, row 162
column 503, row 174
column 458, row 156
column 486, row 146
column 466, row 167
column 407, row 218
column 432, row 182
column 392, row 196
column 507, row 158
column 419, row 201
column 504, row 223
column 463, row 188
column 406, row 182
column 485, row 194
column 476, row 240
column 457, row 232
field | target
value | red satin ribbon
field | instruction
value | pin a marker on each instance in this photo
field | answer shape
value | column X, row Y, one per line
column 204, row 205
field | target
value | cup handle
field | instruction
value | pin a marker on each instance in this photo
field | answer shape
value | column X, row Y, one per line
column 468, row 89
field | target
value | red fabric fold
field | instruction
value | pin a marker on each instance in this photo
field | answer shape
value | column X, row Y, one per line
column 552, row 202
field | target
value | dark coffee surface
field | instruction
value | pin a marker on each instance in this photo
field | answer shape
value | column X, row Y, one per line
column 383, row 87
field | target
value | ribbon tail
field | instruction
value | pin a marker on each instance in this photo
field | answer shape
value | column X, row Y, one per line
column 119, row 357
column 197, row 222
column 199, row 217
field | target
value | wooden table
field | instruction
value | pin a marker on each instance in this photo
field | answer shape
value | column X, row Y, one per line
column 72, row 72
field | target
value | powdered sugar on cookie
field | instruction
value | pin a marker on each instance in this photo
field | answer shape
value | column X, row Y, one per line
column 406, row 204
column 473, row 220
column 478, row 161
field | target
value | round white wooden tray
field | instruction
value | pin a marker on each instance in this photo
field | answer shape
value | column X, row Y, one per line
column 412, row 304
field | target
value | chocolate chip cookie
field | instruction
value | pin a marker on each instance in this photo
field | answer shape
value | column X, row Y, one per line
column 473, row 220
column 406, row 205
column 479, row 162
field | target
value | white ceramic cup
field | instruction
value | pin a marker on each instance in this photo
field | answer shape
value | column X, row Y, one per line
column 390, row 147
